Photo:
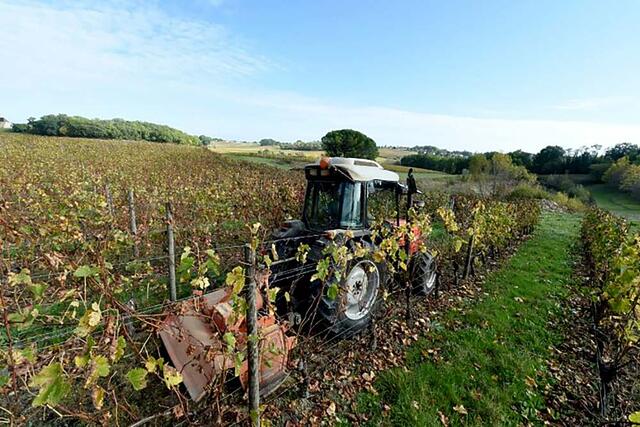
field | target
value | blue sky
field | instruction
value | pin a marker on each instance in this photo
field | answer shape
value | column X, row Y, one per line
column 475, row 75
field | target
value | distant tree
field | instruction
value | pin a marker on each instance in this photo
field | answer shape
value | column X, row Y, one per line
column 522, row 158
column 300, row 145
column 268, row 142
column 625, row 149
column 597, row 170
column 550, row 159
column 449, row 164
column 631, row 181
column 617, row 171
column 205, row 140
column 497, row 175
column 20, row 128
column 75, row 126
column 478, row 165
column 580, row 161
column 349, row 143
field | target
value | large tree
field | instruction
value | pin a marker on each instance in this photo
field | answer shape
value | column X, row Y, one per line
column 550, row 159
column 349, row 143
column 522, row 158
column 632, row 151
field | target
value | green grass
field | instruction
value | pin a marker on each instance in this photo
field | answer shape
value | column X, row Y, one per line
column 612, row 199
column 275, row 162
column 492, row 354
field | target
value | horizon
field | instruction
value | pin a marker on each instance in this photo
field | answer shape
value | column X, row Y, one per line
column 517, row 76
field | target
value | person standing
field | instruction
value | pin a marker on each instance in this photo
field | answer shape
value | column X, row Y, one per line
column 412, row 188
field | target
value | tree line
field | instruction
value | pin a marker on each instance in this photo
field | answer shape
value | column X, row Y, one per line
column 619, row 165
column 76, row 126
column 549, row 160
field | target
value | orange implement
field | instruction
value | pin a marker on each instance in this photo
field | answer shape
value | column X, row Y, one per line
column 193, row 340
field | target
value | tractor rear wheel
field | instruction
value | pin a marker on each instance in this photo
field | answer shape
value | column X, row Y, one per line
column 352, row 310
column 424, row 274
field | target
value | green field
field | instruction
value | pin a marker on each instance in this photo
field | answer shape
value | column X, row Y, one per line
column 227, row 147
column 490, row 368
column 619, row 203
column 286, row 159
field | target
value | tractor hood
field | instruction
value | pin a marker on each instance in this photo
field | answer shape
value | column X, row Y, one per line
column 356, row 169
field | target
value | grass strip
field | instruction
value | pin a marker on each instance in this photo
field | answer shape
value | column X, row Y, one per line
column 485, row 364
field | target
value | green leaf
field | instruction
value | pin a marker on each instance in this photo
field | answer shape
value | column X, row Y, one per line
column 635, row 417
column 22, row 278
column 332, row 291
column 99, row 368
column 28, row 354
column 272, row 293
column 185, row 252
column 138, row 378
column 101, row 365
column 81, row 361
column 152, row 364
column 230, row 340
column 237, row 362
column 235, row 279
column 171, row 377
column 37, row 289
column 120, row 346
column 89, row 320
column 52, row 385
column 85, row 271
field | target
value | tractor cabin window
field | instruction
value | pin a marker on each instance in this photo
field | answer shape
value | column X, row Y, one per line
column 333, row 204
column 381, row 202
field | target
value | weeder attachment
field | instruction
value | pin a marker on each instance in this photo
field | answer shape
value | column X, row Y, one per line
column 193, row 340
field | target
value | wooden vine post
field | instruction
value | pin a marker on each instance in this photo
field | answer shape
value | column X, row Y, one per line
column 469, row 260
column 171, row 249
column 109, row 197
column 252, row 336
column 407, row 289
column 408, row 274
column 132, row 222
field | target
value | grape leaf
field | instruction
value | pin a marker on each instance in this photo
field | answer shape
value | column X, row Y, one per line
column 138, row 378
column 52, row 385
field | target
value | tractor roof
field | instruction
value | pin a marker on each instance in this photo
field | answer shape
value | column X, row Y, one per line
column 362, row 169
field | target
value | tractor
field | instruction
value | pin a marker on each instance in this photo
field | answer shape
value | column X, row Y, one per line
column 344, row 197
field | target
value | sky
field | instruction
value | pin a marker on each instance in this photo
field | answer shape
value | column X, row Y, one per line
column 462, row 75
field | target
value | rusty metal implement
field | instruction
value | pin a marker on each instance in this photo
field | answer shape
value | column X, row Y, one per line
column 193, row 340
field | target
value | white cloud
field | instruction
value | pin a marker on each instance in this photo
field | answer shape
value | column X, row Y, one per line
column 110, row 41
column 290, row 117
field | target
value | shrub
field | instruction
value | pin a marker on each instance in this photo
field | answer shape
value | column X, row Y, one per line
column 566, row 185
column 526, row 191
column 570, row 203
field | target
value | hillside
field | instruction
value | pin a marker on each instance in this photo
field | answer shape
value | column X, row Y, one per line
column 81, row 127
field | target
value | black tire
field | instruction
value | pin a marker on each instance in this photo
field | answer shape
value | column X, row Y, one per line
column 347, row 314
column 424, row 274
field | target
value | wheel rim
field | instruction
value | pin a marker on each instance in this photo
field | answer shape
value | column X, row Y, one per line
column 361, row 287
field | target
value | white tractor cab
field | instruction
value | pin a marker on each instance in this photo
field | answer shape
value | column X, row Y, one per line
column 343, row 194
